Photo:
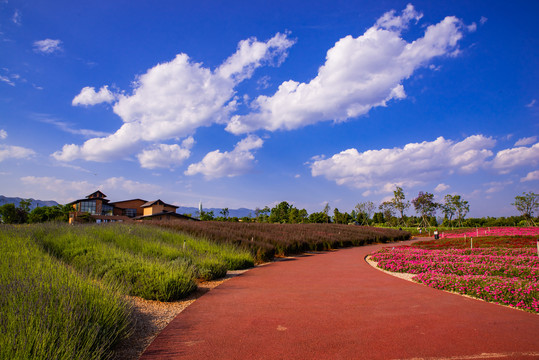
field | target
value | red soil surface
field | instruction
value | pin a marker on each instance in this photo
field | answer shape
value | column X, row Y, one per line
column 335, row 306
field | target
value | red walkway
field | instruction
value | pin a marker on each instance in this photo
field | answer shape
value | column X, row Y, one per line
column 335, row 306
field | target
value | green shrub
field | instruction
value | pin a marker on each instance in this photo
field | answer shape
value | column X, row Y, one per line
column 47, row 311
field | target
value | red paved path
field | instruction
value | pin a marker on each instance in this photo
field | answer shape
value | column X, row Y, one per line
column 336, row 306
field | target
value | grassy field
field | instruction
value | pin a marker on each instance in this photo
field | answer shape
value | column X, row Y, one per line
column 48, row 311
column 266, row 241
column 62, row 288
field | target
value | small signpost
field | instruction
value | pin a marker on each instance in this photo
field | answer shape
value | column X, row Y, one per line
column 471, row 243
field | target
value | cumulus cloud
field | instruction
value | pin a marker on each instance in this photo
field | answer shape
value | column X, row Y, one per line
column 3, row 134
column 166, row 156
column 47, row 46
column 359, row 74
column 218, row 164
column 69, row 190
column 15, row 152
column 526, row 141
column 58, row 187
column 173, row 99
column 88, row 96
column 532, row 176
column 441, row 188
column 509, row 159
column 407, row 166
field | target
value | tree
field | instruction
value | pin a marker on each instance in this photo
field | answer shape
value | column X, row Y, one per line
column 462, row 207
column 280, row 213
column 318, row 218
column 399, row 203
column 388, row 209
column 207, row 216
column 262, row 214
column 364, row 212
column 449, row 208
column 224, row 212
column 425, row 206
column 527, row 204
column 326, row 210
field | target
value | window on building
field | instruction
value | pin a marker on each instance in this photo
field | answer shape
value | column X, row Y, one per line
column 106, row 209
column 88, row 206
column 131, row 212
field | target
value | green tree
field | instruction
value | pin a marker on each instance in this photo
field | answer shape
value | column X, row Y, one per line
column 318, row 218
column 207, row 215
column 400, row 203
column 364, row 211
column 8, row 214
column 425, row 206
column 462, row 208
column 326, row 210
column 280, row 213
column 388, row 209
column 262, row 214
column 449, row 208
column 224, row 212
column 527, row 204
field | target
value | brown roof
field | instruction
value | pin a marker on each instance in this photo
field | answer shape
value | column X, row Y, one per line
column 157, row 202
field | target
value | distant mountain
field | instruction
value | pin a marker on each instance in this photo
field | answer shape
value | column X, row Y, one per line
column 239, row 213
column 34, row 203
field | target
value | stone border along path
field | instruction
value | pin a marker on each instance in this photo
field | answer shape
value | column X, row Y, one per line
column 334, row 305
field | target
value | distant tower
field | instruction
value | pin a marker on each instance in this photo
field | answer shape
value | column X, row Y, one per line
column 200, row 207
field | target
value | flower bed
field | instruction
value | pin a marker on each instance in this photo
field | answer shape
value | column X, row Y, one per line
column 504, row 275
column 492, row 231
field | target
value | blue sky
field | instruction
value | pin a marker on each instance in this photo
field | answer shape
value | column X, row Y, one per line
column 249, row 103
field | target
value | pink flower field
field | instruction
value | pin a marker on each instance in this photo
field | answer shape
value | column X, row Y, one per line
column 503, row 275
column 492, row 231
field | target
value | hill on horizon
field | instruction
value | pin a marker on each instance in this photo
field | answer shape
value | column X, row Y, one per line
column 34, row 203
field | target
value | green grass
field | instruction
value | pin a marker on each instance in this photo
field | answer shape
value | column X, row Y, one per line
column 62, row 288
column 48, row 311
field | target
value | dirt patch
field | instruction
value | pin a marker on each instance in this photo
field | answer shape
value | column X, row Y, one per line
column 150, row 317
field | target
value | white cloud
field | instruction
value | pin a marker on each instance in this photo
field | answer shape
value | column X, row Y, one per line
column 531, row 104
column 16, row 17
column 441, row 188
column 166, row 156
column 15, row 152
column 67, row 127
column 58, row 188
column 129, row 186
column 218, row 164
column 483, row 20
column 47, row 46
column 408, row 166
column 3, row 134
column 88, row 96
column 6, row 80
column 526, row 141
column 508, row 159
column 497, row 186
column 532, row 176
column 65, row 191
column 173, row 99
column 359, row 74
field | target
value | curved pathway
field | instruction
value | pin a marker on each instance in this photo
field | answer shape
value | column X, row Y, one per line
column 335, row 306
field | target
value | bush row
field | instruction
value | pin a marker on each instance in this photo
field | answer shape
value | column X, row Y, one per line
column 268, row 240
column 47, row 311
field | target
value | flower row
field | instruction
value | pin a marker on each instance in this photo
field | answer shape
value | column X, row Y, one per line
column 507, row 291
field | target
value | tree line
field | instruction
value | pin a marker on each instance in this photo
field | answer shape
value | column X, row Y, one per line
column 389, row 213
